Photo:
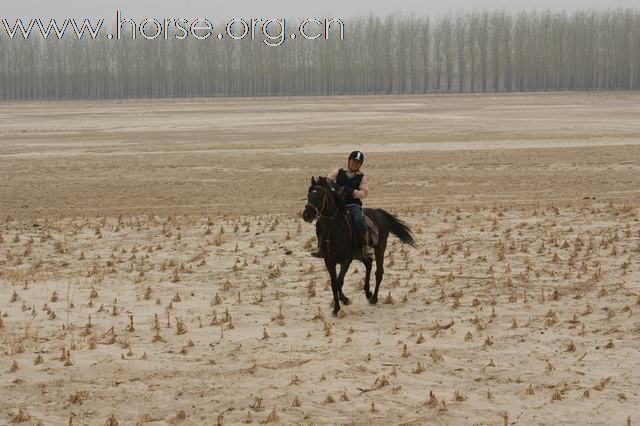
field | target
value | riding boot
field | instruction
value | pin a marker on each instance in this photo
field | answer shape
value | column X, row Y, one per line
column 367, row 251
column 317, row 252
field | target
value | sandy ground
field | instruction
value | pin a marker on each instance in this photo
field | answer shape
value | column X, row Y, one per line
column 154, row 267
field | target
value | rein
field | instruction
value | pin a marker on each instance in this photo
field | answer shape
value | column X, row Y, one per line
column 323, row 206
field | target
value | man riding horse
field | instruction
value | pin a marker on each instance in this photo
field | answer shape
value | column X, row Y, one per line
column 354, row 188
column 336, row 234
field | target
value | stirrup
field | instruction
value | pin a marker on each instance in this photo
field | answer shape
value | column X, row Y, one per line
column 367, row 250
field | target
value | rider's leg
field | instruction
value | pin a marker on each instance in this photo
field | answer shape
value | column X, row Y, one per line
column 357, row 213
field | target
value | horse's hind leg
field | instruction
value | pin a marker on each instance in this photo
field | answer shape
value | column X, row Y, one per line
column 367, row 264
column 379, row 271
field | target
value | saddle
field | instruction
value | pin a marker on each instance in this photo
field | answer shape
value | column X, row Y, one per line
column 372, row 228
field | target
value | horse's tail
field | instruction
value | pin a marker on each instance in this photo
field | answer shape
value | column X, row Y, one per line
column 399, row 228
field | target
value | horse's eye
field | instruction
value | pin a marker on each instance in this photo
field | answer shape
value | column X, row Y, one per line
column 315, row 197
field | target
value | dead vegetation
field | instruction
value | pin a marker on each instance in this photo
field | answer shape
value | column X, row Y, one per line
column 501, row 279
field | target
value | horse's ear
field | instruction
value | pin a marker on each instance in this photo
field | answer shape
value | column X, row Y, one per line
column 313, row 180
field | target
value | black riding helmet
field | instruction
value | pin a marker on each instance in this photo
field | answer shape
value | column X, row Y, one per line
column 357, row 155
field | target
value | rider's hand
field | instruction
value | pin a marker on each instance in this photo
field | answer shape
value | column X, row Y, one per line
column 347, row 190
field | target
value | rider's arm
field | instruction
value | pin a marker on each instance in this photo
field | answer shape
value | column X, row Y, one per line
column 363, row 191
column 333, row 175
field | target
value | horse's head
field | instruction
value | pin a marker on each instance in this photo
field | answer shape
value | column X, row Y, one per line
column 317, row 198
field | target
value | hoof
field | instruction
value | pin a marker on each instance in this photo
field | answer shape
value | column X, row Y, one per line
column 317, row 254
column 345, row 300
column 373, row 301
column 368, row 294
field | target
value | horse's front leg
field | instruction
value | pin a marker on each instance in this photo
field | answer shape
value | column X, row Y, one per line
column 331, row 268
column 344, row 267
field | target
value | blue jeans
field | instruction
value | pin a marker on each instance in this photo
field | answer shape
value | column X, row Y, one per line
column 357, row 214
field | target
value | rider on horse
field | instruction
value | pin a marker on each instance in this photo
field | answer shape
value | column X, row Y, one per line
column 354, row 188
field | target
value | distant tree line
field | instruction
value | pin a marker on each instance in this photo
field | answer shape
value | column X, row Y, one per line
column 476, row 51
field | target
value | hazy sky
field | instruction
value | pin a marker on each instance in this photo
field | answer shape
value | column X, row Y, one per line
column 290, row 8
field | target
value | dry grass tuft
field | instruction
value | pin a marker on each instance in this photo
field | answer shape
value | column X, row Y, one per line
column 111, row 421
column 21, row 417
column 432, row 401
column 459, row 397
column 296, row 402
column 530, row 390
column 272, row 417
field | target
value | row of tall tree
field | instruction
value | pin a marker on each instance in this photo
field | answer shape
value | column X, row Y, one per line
column 476, row 51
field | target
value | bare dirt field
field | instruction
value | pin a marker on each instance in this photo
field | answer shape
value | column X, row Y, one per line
column 154, row 266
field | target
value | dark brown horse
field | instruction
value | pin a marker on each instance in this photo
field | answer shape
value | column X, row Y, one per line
column 339, row 242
